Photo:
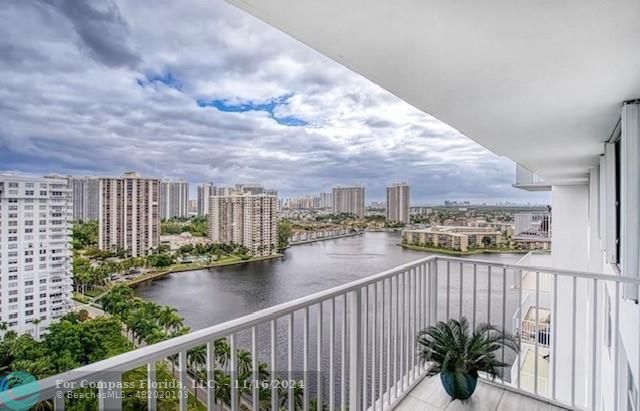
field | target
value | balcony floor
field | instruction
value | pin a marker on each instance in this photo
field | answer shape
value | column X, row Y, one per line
column 430, row 396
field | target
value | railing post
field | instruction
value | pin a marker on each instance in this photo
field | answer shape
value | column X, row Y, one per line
column 183, row 380
column 433, row 291
column 151, row 386
column 110, row 393
column 58, row 401
column 355, row 350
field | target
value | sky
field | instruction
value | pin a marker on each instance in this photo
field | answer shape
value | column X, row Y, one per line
column 199, row 90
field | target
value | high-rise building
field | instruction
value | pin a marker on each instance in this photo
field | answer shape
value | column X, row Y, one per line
column 226, row 191
column 245, row 219
column 326, row 200
column 85, row 194
column 204, row 192
column 35, row 252
column 193, row 207
column 398, row 197
column 129, row 217
column 349, row 200
column 174, row 199
column 249, row 188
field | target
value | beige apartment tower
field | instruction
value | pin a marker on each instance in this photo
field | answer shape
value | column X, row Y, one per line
column 398, row 198
column 248, row 220
column 348, row 200
column 129, row 217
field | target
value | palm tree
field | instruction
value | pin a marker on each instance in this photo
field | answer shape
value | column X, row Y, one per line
column 46, row 405
column 222, row 387
column 155, row 337
column 245, row 362
column 298, row 397
column 263, row 371
column 140, row 325
column 197, row 358
column 38, row 368
column 222, row 351
column 168, row 318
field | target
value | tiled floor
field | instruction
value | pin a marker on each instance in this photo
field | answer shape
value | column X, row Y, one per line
column 430, row 396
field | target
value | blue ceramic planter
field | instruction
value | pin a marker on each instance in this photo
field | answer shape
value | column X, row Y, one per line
column 458, row 386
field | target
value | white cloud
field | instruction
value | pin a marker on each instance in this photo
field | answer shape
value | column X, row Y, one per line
column 71, row 102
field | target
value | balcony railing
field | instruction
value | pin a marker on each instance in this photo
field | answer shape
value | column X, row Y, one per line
column 532, row 225
column 530, row 181
column 355, row 345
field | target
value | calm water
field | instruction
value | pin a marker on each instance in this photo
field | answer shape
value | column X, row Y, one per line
column 209, row 297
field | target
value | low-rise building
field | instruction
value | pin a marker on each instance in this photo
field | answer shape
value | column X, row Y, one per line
column 300, row 236
column 176, row 241
column 453, row 237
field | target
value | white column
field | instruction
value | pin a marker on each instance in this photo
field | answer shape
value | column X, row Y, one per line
column 570, row 250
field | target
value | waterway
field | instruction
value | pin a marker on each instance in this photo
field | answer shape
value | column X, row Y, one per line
column 212, row 296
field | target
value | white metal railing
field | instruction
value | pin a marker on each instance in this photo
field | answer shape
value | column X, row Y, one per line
column 533, row 225
column 355, row 345
column 524, row 176
column 532, row 333
column 538, row 258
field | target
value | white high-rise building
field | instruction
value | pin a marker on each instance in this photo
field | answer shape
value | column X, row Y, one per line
column 35, row 252
column 326, row 200
column 85, row 195
column 204, row 192
column 248, row 220
column 129, row 216
column 349, row 200
column 174, row 199
column 398, row 197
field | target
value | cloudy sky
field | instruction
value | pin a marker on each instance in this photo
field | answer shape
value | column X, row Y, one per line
column 199, row 90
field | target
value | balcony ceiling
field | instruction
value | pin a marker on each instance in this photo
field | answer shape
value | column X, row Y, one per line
column 541, row 82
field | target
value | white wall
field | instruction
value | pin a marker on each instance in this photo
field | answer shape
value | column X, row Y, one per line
column 570, row 216
column 625, row 339
column 570, row 250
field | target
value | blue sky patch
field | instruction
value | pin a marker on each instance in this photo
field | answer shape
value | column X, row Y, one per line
column 268, row 107
column 167, row 78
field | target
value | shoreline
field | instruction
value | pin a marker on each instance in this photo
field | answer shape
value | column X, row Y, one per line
column 315, row 240
column 462, row 253
column 194, row 267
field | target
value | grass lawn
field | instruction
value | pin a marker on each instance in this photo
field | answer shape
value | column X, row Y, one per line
column 81, row 298
column 176, row 268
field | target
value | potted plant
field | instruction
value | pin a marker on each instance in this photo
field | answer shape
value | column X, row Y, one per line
column 458, row 354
